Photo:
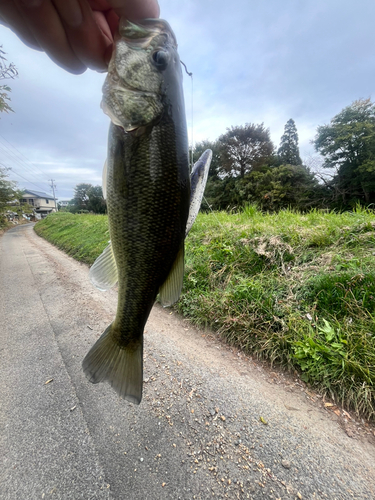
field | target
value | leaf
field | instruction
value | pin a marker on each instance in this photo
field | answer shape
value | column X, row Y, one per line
column 264, row 422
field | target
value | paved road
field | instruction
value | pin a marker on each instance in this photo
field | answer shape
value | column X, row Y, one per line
column 197, row 433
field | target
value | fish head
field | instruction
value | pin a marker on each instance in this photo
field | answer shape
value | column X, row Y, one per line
column 144, row 67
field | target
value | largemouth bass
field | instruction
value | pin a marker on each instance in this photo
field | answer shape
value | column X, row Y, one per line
column 147, row 185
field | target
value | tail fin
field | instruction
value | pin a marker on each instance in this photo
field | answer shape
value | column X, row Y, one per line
column 121, row 366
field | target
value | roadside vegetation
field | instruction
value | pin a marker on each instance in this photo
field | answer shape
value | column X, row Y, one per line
column 297, row 289
column 82, row 236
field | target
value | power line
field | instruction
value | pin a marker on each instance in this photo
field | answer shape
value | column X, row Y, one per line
column 19, row 152
column 30, row 182
column 11, row 158
column 6, row 157
column 19, row 175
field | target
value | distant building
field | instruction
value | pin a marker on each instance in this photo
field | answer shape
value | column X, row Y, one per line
column 63, row 203
column 42, row 203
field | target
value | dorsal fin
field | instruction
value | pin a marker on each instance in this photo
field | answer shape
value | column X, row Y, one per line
column 198, row 181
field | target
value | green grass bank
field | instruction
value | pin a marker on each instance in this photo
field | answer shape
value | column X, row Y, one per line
column 296, row 289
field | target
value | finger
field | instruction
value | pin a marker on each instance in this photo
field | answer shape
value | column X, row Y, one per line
column 10, row 17
column 88, row 32
column 47, row 28
column 136, row 9
column 112, row 20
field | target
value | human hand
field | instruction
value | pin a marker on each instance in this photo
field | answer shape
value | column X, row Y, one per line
column 76, row 34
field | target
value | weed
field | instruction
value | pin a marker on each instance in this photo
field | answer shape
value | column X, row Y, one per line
column 296, row 289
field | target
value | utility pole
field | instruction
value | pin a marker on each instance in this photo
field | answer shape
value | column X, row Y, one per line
column 53, row 190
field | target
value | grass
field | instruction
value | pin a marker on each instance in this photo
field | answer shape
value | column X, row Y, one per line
column 295, row 289
column 83, row 236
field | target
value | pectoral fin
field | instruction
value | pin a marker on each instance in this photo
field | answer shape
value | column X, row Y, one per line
column 170, row 290
column 103, row 273
column 198, row 180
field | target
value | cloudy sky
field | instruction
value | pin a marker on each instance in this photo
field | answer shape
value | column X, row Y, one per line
column 253, row 62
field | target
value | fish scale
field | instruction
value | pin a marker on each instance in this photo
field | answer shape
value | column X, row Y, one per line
column 145, row 226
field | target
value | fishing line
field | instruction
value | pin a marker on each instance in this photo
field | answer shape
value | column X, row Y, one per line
column 192, row 142
column 192, row 114
column 213, row 213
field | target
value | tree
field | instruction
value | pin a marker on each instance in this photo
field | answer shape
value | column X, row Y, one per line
column 6, row 71
column 284, row 186
column 88, row 198
column 244, row 148
column 348, row 145
column 8, row 193
column 81, row 199
column 288, row 151
column 96, row 201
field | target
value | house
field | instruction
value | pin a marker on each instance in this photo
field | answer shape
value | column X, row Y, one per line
column 64, row 203
column 43, row 203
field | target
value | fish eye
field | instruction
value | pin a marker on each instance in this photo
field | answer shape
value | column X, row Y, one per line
column 160, row 59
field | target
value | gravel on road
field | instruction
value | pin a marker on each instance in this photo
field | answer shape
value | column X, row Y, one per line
column 213, row 423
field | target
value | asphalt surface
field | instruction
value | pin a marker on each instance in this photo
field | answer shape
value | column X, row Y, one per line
column 213, row 423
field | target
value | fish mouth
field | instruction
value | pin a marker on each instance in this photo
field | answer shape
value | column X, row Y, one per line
column 125, row 86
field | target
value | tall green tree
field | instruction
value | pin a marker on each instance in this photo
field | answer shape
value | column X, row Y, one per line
column 81, row 199
column 288, row 151
column 96, row 202
column 274, row 188
column 8, row 193
column 348, row 145
column 88, row 197
column 244, row 148
column 7, row 71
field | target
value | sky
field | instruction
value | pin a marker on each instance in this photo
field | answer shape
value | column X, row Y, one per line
column 252, row 62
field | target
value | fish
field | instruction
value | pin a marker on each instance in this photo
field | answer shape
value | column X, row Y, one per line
column 147, row 184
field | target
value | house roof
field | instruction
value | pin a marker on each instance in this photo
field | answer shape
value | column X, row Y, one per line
column 39, row 194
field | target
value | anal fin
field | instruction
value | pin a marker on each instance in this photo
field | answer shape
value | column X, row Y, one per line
column 103, row 273
column 170, row 290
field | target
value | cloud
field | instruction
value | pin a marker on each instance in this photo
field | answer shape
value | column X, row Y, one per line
column 252, row 62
